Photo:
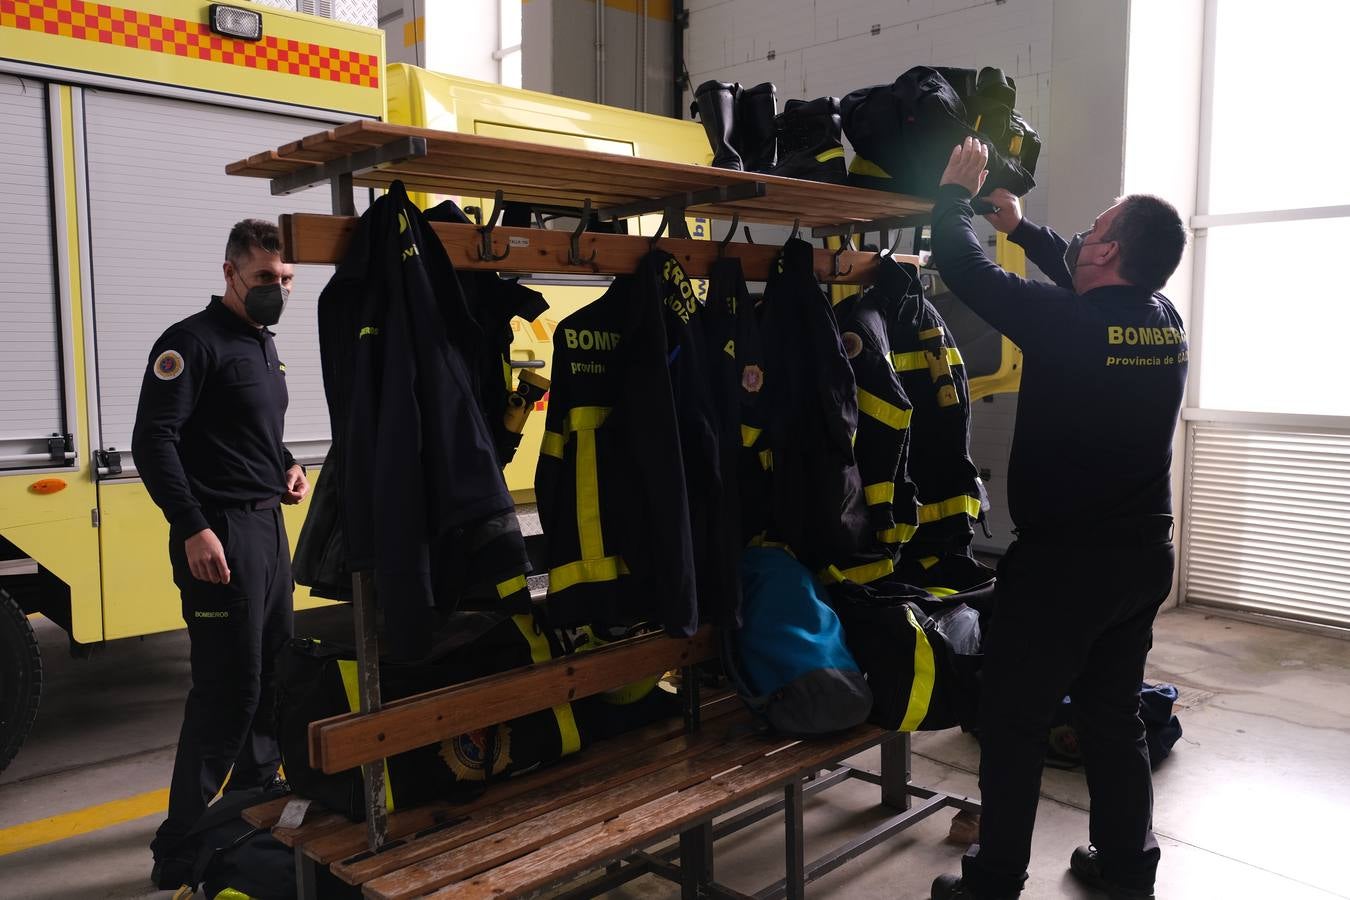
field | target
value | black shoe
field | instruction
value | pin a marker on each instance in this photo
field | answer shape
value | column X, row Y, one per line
column 756, row 137
column 1087, row 867
column 715, row 104
column 952, row 887
column 810, row 141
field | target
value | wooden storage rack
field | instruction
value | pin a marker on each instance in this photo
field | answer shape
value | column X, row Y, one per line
column 608, row 187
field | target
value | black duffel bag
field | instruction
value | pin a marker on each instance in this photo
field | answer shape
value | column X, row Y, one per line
column 318, row 680
column 903, row 133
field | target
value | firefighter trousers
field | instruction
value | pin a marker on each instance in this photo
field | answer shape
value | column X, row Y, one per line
column 1076, row 620
column 236, row 631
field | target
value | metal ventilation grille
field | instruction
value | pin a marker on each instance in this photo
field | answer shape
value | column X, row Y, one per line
column 1268, row 522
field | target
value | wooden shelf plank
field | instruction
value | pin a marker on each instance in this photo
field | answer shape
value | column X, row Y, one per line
column 475, row 166
column 311, row 238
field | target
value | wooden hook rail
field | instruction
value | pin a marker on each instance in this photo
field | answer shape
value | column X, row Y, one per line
column 321, row 239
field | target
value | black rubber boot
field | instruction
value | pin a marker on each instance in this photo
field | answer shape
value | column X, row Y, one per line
column 715, row 105
column 810, row 141
column 756, row 138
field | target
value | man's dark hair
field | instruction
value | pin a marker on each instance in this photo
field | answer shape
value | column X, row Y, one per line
column 250, row 233
column 1151, row 239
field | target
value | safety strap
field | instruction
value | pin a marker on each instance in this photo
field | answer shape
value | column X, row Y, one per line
column 864, row 574
column 347, row 669
column 540, row 652
column 585, row 571
column 832, row 153
column 511, row 586
column 925, row 671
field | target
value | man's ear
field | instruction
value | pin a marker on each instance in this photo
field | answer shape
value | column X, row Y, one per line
column 1108, row 253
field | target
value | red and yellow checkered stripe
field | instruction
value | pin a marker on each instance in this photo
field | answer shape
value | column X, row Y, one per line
column 139, row 30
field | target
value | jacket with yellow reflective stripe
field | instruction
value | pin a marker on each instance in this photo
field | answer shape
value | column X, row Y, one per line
column 810, row 416
column 939, row 463
column 1102, row 381
column 884, row 414
column 610, row 482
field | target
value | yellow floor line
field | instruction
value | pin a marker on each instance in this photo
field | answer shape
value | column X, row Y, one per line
column 82, row 821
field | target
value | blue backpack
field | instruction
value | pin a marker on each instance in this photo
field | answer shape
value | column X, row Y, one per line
column 788, row 660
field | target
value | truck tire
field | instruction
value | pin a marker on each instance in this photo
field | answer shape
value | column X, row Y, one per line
column 20, row 678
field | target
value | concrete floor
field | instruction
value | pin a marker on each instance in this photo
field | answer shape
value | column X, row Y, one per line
column 1253, row 803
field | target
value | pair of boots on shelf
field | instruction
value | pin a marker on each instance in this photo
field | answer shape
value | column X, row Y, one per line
column 747, row 133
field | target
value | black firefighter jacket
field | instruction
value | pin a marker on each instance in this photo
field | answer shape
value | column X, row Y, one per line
column 412, row 487
column 610, row 483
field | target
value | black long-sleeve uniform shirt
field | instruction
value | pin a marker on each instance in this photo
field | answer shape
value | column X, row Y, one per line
column 1102, row 381
column 210, row 419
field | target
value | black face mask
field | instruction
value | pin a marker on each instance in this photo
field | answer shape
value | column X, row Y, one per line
column 1071, row 252
column 265, row 303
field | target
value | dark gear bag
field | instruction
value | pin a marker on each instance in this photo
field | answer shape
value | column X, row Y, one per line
column 903, row 134
column 788, row 660
column 235, row 859
column 319, row 680
column 918, row 682
column 1162, row 729
column 627, row 708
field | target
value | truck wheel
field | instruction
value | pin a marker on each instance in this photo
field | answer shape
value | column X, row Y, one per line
column 20, row 678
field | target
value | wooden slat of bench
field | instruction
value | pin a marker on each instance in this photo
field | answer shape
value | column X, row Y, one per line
column 265, row 815
column 312, row 829
column 349, row 740
column 499, row 846
column 654, row 821
column 544, row 800
column 352, row 840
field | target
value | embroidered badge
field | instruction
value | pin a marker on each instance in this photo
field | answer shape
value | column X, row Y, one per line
column 168, row 365
column 852, row 344
column 752, row 379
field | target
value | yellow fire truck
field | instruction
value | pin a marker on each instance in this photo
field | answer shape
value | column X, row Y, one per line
column 116, row 123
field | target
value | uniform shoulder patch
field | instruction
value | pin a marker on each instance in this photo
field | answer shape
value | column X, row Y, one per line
column 853, row 344
column 168, row 365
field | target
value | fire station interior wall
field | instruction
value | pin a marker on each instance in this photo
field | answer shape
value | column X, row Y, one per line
column 30, row 355
column 809, row 50
column 161, row 207
column 560, row 51
column 357, row 12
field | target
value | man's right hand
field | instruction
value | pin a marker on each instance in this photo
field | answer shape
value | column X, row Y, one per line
column 1009, row 210
column 206, row 558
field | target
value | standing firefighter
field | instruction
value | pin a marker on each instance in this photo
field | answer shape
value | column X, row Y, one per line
column 1089, row 488
column 208, row 445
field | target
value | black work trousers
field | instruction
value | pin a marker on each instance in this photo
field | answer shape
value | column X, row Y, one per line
column 1077, row 620
column 237, row 631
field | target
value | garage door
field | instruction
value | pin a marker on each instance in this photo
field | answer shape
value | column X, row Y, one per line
column 1268, row 522
column 30, row 347
column 160, row 208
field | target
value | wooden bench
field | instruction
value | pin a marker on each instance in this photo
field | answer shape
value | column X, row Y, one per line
column 607, row 808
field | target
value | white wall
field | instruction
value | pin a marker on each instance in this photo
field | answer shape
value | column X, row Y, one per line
column 823, row 49
column 457, row 37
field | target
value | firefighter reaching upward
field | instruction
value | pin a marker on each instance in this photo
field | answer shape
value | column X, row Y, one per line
column 208, row 445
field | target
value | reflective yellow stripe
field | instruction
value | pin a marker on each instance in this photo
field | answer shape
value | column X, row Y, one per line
column 940, row 591
column 552, row 445
column 897, row 534
column 231, row 894
column 540, row 652
column 511, row 586
column 952, row 506
column 760, row 540
column 749, row 435
column 864, row 574
column 585, row 571
column 887, row 414
column 921, row 688
column 832, row 153
column 861, row 166
column 882, row 492
column 347, row 669
column 766, row 460
column 586, row 418
column 917, row 359
column 928, row 562
column 588, row 497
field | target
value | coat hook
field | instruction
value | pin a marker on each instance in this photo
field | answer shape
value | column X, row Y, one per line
column 485, row 253
column 796, row 228
column 731, row 233
column 660, row 229
column 574, row 257
column 895, row 247
column 845, row 243
column 748, row 238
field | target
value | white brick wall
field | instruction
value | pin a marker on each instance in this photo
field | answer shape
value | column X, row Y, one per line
column 823, row 49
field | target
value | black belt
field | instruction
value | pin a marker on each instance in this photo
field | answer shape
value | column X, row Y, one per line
column 1135, row 531
column 248, row 505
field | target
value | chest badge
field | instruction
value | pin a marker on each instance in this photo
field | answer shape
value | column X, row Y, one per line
column 168, row 365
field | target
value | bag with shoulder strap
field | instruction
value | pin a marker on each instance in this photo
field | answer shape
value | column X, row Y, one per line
column 788, row 659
